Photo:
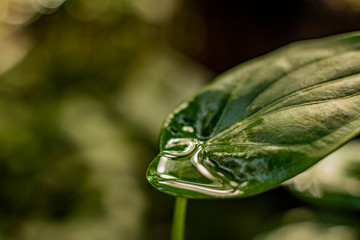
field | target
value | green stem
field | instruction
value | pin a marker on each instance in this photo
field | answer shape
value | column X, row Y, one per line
column 178, row 227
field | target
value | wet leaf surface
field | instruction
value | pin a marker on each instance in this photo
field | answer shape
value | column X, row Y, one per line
column 263, row 121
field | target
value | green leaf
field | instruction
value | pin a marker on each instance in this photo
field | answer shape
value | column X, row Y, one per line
column 333, row 182
column 262, row 122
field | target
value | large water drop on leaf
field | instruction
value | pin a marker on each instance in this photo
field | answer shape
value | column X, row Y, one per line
column 182, row 169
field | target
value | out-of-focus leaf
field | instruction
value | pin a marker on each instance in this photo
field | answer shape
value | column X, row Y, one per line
column 262, row 122
column 156, row 85
column 335, row 181
column 310, row 230
column 14, row 45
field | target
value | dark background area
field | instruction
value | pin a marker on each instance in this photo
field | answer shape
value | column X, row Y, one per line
column 239, row 30
column 85, row 86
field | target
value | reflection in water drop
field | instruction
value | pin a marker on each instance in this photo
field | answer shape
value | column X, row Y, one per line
column 182, row 168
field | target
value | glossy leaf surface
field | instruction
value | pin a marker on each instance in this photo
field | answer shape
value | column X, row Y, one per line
column 262, row 122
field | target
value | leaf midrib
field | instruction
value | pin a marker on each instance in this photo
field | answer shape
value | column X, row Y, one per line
column 281, row 98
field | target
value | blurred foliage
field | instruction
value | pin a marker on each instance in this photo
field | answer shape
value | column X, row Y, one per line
column 310, row 230
column 84, row 88
column 335, row 181
column 80, row 115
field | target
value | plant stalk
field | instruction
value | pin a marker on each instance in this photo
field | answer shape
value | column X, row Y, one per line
column 178, row 226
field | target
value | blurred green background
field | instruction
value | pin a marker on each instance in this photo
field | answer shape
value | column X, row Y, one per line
column 84, row 88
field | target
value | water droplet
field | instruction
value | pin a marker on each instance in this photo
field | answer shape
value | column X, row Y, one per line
column 182, row 169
